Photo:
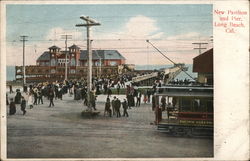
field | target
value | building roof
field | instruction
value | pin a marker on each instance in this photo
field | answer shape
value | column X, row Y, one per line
column 97, row 54
column 44, row 56
column 103, row 54
column 204, row 63
column 54, row 47
column 74, row 47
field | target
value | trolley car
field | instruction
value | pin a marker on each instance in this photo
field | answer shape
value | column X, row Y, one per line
column 184, row 110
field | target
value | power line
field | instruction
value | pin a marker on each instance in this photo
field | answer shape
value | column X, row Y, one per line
column 199, row 48
column 169, row 59
column 114, row 39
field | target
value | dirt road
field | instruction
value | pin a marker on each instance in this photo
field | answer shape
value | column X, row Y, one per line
column 61, row 132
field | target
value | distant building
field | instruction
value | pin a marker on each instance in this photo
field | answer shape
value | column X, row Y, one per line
column 203, row 65
column 51, row 64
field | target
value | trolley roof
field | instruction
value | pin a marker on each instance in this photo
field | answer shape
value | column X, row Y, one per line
column 185, row 91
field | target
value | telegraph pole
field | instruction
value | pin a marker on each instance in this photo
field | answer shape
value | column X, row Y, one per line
column 89, row 22
column 66, row 54
column 199, row 48
column 23, row 39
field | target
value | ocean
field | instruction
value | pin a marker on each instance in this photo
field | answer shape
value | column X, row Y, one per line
column 10, row 73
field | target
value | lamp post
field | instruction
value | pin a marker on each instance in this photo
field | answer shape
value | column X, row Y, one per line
column 89, row 22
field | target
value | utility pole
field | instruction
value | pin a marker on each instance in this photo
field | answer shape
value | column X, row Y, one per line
column 89, row 22
column 66, row 54
column 23, row 39
column 199, row 48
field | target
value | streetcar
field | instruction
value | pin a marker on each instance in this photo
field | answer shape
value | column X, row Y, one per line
column 184, row 110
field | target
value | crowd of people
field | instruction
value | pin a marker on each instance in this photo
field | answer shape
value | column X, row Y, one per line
column 181, row 82
column 116, row 106
column 77, row 89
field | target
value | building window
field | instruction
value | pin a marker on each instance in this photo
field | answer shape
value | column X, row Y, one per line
column 112, row 63
column 186, row 105
column 73, row 62
column 98, row 63
column 53, row 71
column 72, row 71
column 53, row 62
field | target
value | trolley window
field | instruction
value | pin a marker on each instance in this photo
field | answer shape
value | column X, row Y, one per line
column 186, row 104
column 210, row 106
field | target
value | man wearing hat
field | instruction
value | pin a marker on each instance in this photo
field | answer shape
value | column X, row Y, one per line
column 12, row 107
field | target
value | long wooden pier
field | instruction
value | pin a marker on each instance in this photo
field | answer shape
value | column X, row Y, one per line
column 168, row 75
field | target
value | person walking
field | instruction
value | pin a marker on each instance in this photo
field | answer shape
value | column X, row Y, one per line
column 163, row 103
column 148, row 94
column 35, row 96
column 138, row 99
column 125, row 107
column 30, row 100
column 118, row 88
column 107, row 108
column 12, row 107
column 40, row 97
column 113, row 105
column 109, row 92
column 118, row 106
column 18, row 97
column 92, row 100
column 145, row 99
column 60, row 93
column 23, row 105
column 51, row 98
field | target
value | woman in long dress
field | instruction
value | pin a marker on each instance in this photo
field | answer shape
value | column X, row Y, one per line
column 30, row 100
column 145, row 98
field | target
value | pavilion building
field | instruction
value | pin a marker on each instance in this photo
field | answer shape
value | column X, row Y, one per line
column 51, row 64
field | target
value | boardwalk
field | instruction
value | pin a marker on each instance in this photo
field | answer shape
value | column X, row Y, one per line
column 60, row 132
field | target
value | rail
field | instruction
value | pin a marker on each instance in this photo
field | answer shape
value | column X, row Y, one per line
column 144, row 77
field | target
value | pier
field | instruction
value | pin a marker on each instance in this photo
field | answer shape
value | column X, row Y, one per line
column 167, row 74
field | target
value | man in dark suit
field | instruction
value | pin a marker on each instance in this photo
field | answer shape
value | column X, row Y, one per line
column 117, row 107
column 125, row 107
column 51, row 97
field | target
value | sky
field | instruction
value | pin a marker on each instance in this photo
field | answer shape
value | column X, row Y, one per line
column 171, row 28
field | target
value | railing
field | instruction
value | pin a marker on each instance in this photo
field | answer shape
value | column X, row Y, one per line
column 45, row 70
column 144, row 77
